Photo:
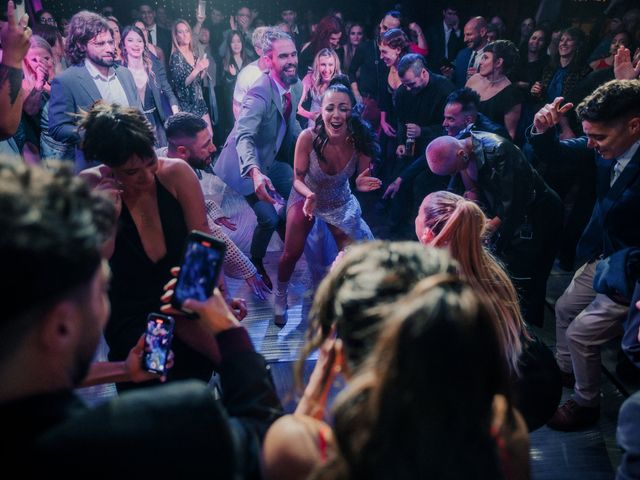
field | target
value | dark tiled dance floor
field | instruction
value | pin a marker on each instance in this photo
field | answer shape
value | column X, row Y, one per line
column 587, row 455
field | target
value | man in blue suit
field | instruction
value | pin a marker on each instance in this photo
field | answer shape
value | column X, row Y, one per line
column 266, row 131
column 585, row 319
column 92, row 76
column 467, row 60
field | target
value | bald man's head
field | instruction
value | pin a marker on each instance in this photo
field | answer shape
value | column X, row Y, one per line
column 475, row 33
column 445, row 155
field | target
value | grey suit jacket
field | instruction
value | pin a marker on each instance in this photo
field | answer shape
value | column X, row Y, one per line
column 259, row 133
column 73, row 91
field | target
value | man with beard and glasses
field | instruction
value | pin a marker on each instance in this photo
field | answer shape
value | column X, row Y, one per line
column 93, row 75
column 256, row 158
column 54, row 236
column 190, row 140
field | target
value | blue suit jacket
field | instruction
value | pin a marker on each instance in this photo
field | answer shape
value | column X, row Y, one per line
column 462, row 64
column 74, row 91
column 614, row 221
column 259, row 133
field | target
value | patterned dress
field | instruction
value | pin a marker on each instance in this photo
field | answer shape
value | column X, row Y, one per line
column 190, row 97
column 335, row 204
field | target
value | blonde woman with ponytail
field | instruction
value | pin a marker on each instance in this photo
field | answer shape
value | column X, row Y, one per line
column 447, row 220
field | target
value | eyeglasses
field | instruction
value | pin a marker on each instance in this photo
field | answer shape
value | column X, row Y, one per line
column 48, row 21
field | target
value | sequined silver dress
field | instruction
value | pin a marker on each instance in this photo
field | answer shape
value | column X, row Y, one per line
column 335, row 204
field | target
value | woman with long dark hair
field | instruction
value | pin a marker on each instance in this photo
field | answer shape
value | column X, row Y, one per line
column 149, row 81
column 355, row 36
column 340, row 145
column 235, row 59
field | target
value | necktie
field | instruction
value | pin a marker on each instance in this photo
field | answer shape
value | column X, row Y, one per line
column 472, row 60
column 286, row 105
column 149, row 37
column 615, row 173
column 450, row 49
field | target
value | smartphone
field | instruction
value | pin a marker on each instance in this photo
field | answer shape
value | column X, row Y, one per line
column 201, row 263
column 202, row 8
column 157, row 343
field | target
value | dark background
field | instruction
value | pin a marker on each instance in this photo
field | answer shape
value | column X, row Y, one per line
column 580, row 12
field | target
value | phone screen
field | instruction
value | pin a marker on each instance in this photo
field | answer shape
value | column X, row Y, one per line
column 157, row 342
column 199, row 270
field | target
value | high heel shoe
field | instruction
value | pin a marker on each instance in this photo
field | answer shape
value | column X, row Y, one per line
column 280, row 309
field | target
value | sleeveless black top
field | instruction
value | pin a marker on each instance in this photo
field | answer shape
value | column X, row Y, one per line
column 137, row 285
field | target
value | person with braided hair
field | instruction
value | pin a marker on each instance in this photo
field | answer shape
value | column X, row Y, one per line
column 339, row 145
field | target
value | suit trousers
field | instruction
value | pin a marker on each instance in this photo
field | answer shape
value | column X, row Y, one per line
column 585, row 320
column 269, row 219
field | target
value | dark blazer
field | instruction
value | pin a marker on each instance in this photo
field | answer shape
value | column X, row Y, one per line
column 73, row 91
column 436, row 40
column 175, row 430
column 161, row 90
column 258, row 135
column 461, row 64
column 613, row 224
column 163, row 40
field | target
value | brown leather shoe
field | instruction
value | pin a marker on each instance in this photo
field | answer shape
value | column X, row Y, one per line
column 568, row 379
column 570, row 417
column 263, row 273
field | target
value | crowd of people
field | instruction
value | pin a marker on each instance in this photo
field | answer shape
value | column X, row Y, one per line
column 479, row 159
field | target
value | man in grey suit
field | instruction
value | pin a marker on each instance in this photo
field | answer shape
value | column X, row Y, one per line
column 265, row 130
column 93, row 76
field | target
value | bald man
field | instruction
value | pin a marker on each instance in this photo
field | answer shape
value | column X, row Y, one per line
column 467, row 60
column 525, row 215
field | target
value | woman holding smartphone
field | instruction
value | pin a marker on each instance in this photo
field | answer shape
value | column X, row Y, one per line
column 158, row 201
column 188, row 67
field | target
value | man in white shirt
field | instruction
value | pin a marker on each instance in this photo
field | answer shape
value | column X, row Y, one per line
column 92, row 76
column 156, row 35
column 249, row 74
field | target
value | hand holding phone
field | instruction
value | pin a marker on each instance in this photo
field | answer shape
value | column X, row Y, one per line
column 157, row 343
column 199, row 271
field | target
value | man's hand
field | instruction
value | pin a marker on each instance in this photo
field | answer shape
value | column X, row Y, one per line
column 133, row 364
column 388, row 129
column 401, row 150
column 238, row 307
column 226, row 222
column 550, row 115
column 14, row 38
column 214, row 313
column 262, row 186
column 366, row 183
column 623, row 68
column 258, row 287
column 447, row 72
column 413, row 130
column 392, row 189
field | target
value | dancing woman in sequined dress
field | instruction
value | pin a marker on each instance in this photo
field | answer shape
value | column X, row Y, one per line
column 340, row 145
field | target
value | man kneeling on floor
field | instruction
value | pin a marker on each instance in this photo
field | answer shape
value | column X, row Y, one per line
column 55, row 284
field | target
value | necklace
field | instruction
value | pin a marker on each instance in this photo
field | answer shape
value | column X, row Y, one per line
column 495, row 82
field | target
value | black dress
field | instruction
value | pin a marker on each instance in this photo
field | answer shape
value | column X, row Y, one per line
column 497, row 106
column 137, row 285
